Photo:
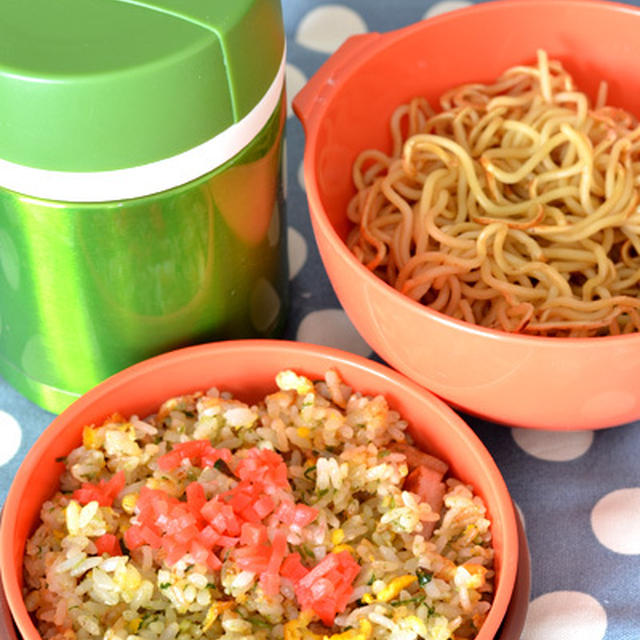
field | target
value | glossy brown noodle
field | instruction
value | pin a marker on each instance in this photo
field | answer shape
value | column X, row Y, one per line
column 515, row 207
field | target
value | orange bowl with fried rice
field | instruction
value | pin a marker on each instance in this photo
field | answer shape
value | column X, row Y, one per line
column 341, row 384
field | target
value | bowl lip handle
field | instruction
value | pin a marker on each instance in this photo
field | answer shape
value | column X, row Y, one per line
column 307, row 101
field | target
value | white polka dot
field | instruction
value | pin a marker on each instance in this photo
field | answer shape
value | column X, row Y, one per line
column 10, row 437
column 615, row 521
column 297, row 248
column 565, row 615
column 264, row 305
column 327, row 27
column 295, row 81
column 301, row 176
column 447, row 5
column 332, row 328
column 555, row 446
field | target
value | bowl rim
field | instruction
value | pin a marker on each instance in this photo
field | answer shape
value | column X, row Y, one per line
column 320, row 219
column 12, row 557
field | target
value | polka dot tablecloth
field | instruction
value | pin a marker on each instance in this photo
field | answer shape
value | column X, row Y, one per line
column 578, row 492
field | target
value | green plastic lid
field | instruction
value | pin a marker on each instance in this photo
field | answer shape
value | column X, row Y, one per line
column 101, row 85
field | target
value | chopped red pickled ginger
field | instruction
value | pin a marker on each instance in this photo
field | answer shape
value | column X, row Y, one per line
column 104, row 492
column 200, row 452
column 264, row 559
column 293, row 568
column 164, row 522
column 264, row 467
column 250, row 521
column 327, row 587
column 108, row 543
column 296, row 515
column 249, row 501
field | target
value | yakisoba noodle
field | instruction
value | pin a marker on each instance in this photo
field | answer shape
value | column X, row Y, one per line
column 516, row 207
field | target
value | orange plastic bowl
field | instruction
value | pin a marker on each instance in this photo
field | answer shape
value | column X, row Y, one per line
column 248, row 368
column 553, row 383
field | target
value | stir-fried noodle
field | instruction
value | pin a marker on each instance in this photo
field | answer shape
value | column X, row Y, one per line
column 516, row 207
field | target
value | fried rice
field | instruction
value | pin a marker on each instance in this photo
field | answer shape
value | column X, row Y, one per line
column 306, row 516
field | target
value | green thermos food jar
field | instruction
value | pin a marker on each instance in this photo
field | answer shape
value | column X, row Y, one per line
column 141, row 206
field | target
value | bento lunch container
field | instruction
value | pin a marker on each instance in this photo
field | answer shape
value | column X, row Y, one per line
column 538, row 382
column 141, row 203
column 247, row 369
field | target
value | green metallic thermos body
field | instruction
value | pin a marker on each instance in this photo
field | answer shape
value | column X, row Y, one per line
column 141, row 204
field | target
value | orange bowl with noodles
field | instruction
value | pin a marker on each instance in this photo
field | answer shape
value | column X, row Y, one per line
column 474, row 186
